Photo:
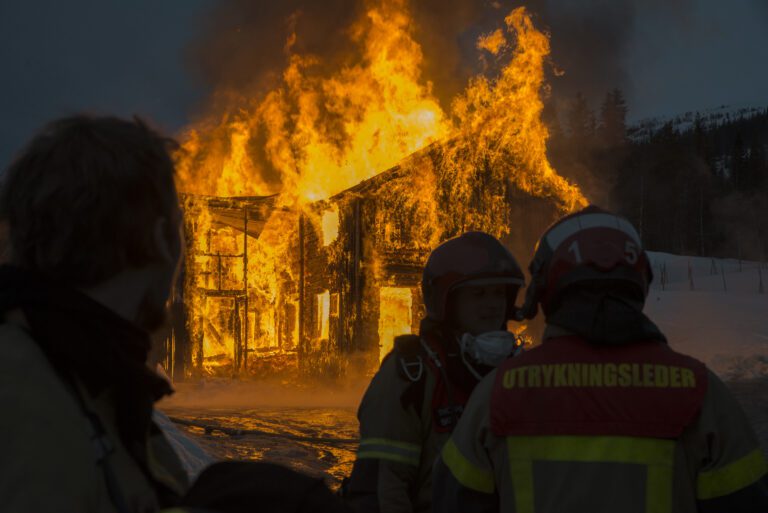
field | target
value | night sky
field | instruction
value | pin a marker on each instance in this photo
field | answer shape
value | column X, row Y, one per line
column 125, row 57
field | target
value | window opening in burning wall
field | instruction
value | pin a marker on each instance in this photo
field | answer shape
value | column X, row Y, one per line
column 323, row 314
column 330, row 225
column 395, row 316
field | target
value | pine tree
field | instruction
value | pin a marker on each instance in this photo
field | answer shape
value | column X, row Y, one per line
column 738, row 164
column 613, row 119
column 580, row 120
column 754, row 166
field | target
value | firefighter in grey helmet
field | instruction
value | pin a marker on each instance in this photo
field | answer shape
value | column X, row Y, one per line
column 470, row 284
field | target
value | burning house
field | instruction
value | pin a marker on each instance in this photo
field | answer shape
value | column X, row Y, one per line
column 318, row 277
column 350, row 281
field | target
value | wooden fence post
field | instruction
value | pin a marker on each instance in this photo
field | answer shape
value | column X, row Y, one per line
column 722, row 271
column 690, row 275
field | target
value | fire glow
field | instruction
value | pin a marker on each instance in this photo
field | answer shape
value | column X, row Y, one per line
column 323, row 135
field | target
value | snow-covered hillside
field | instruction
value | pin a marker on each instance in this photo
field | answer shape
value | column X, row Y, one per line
column 714, row 312
column 643, row 129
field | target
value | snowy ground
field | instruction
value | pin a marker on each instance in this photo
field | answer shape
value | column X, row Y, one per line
column 718, row 314
column 331, row 459
column 715, row 313
column 311, row 430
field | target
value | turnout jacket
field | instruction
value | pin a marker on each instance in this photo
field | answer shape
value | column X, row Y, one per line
column 406, row 415
column 76, row 430
column 632, row 428
column 52, row 459
column 76, row 396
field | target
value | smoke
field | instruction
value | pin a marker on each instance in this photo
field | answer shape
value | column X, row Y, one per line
column 591, row 41
column 242, row 47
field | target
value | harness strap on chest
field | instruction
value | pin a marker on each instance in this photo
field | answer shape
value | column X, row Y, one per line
column 413, row 353
column 449, row 416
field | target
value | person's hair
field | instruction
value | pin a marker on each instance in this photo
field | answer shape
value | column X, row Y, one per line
column 82, row 199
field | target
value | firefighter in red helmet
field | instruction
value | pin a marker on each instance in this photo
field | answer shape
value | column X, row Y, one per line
column 469, row 284
column 603, row 416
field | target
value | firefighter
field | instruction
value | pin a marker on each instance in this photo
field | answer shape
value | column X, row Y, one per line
column 603, row 416
column 93, row 236
column 469, row 285
column 94, row 241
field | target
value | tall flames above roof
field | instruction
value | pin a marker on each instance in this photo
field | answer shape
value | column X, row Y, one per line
column 317, row 134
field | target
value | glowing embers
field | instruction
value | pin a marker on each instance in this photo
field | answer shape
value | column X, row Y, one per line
column 330, row 225
column 395, row 316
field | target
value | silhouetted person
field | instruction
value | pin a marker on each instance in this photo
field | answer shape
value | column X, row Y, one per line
column 414, row 401
column 93, row 243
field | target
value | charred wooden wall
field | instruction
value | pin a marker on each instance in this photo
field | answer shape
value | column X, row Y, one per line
column 385, row 233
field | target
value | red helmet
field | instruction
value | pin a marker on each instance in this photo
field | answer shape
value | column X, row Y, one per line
column 473, row 258
column 589, row 248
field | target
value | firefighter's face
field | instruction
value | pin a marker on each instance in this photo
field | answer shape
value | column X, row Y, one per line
column 479, row 308
column 153, row 314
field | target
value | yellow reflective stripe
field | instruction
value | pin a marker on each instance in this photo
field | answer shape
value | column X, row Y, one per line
column 392, row 450
column 616, row 449
column 657, row 455
column 465, row 472
column 383, row 455
column 392, row 443
column 521, row 472
column 732, row 477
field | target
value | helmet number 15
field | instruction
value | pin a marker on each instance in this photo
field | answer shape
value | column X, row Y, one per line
column 631, row 253
column 574, row 249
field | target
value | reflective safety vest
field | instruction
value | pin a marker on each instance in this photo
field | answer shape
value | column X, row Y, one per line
column 574, row 403
column 569, row 427
column 571, row 387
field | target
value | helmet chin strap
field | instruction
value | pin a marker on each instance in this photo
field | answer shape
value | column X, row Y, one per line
column 531, row 305
column 533, row 293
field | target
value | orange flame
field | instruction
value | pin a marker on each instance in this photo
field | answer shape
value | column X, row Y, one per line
column 325, row 134
column 500, row 119
column 322, row 134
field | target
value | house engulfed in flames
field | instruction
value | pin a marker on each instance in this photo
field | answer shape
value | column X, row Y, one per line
column 350, row 271
column 318, row 279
